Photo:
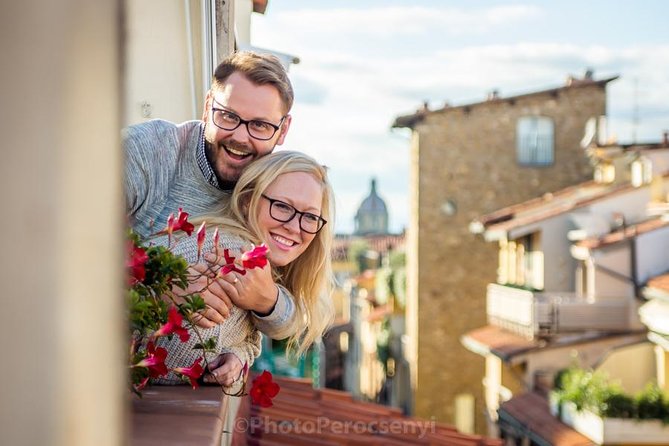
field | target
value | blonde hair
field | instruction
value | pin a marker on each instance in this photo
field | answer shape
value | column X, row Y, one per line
column 309, row 277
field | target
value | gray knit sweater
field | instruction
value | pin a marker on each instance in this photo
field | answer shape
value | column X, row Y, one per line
column 236, row 334
column 162, row 174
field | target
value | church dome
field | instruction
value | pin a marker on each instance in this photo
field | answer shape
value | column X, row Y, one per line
column 372, row 215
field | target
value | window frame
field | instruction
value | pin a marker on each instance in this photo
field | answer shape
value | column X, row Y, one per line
column 535, row 146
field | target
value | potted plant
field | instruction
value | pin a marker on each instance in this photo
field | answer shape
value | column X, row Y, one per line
column 600, row 409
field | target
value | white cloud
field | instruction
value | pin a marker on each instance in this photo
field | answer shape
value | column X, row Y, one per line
column 400, row 21
column 361, row 68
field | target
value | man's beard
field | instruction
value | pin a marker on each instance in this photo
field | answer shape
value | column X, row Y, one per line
column 210, row 151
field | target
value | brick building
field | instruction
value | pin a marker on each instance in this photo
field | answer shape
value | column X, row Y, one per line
column 466, row 161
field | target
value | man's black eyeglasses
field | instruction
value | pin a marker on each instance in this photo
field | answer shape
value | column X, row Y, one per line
column 283, row 212
column 227, row 120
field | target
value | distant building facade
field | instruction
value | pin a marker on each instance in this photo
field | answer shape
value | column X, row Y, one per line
column 580, row 271
column 466, row 161
column 372, row 215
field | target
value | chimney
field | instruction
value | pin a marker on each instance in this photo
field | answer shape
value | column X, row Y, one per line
column 588, row 74
column 493, row 95
column 665, row 138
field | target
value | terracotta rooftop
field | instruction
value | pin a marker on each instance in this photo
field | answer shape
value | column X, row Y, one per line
column 410, row 120
column 302, row 415
column 660, row 283
column 507, row 345
column 499, row 342
column 529, row 413
column 546, row 206
column 623, row 234
column 378, row 243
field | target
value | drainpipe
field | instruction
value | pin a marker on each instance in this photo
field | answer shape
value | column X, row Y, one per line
column 635, row 274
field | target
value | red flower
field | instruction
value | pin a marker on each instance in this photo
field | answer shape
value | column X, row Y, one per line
column 255, row 258
column 173, row 325
column 137, row 258
column 182, row 223
column 263, row 389
column 230, row 264
column 179, row 223
column 201, row 234
column 192, row 373
column 154, row 361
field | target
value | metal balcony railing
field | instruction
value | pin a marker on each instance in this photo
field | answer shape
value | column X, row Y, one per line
column 540, row 314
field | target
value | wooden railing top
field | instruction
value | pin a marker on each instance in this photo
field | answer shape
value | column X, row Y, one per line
column 175, row 415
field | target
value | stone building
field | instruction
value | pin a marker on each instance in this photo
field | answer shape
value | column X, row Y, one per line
column 466, row 161
column 372, row 215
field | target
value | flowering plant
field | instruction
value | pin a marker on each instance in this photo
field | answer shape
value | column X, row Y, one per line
column 155, row 310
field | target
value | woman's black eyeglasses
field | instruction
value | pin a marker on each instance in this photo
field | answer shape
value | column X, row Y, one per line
column 283, row 212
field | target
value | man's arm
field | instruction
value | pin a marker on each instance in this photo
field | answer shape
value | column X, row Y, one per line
column 272, row 306
column 150, row 155
column 281, row 322
column 136, row 178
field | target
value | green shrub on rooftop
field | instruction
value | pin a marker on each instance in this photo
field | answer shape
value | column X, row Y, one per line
column 594, row 391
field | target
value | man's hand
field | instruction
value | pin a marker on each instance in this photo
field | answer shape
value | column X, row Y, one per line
column 224, row 370
column 212, row 290
column 254, row 290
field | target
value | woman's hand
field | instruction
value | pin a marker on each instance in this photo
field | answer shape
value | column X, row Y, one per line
column 224, row 370
column 254, row 290
column 201, row 280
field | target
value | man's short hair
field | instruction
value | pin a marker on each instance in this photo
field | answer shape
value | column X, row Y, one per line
column 259, row 68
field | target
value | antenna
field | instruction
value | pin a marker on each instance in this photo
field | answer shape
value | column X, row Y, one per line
column 635, row 110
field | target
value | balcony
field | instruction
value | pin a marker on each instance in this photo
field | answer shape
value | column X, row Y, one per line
column 539, row 314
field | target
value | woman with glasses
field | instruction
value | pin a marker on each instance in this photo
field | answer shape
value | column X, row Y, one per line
column 285, row 201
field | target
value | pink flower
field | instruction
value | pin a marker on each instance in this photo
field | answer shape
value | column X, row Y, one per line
column 170, row 224
column 255, row 258
column 230, row 264
column 173, row 325
column 136, row 262
column 192, row 373
column 201, row 234
column 216, row 239
column 154, row 361
column 263, row 389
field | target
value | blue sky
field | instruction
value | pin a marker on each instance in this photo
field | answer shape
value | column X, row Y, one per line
column 365, row 62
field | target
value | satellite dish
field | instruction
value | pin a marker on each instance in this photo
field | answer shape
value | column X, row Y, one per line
column 590, row 133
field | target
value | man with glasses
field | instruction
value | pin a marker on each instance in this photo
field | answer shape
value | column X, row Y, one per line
column 195, row 165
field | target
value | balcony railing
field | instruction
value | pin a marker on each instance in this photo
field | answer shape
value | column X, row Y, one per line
column 174, row 415
column 540, row 314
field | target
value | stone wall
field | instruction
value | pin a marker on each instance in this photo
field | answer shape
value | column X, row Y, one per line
column 463, row 166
